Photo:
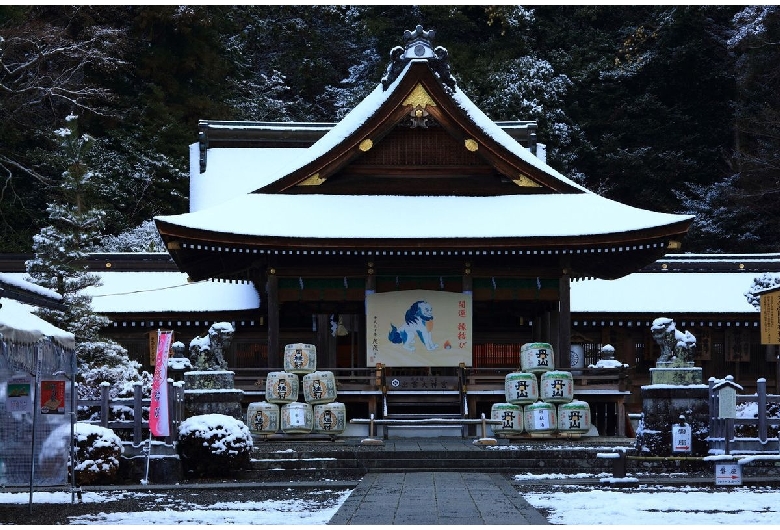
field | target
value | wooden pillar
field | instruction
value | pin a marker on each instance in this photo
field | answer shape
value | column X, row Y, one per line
column 272, row 290
column 370, row 278
column 259, row 279
column 564, row 320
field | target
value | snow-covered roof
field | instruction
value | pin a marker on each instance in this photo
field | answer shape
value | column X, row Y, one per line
column 641, row 292
column 235, row 172
column 661, row 293
column 19, row 325
column 21, row 283
column 397, row 217
column 161, row 292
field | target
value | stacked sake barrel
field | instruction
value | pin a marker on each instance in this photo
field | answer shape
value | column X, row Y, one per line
column 540, row 399
column 319, row 413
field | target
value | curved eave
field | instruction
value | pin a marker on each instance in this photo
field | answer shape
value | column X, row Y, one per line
column 203, row 254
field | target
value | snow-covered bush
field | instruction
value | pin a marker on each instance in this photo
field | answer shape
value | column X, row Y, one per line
column 214, row 445
column 98, row 451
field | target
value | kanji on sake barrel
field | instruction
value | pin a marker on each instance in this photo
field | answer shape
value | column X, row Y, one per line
column 319, row 387
column 297, row 418
column 536, row 357
column 262, row 417
column 510, row 416
column 521, row 388
column 300, row 358
column 574, row 417
column 540, row 419
column 330, row 418
column 281, row 387
column 556, row 386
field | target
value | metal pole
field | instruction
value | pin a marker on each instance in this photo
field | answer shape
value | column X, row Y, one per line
column 34, row 391
column 148, row 452
column 73, row 402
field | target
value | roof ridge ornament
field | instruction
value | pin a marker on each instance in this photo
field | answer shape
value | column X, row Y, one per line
column 419, row 45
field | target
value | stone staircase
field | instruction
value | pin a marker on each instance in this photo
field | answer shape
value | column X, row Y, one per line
column 294, row 460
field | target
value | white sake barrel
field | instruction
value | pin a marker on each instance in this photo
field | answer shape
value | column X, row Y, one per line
column 300, row 358
column 510, row 416
column 319, row 387
column 556, row 386
column 281, row 387
column 540, row 419
column 574, row 417
column 297, row 418
column 330, row 418
column 521, row 388
column 536, row 357
column 262, row 417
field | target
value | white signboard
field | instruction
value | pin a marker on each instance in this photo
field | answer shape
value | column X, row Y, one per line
column 728, row 474
column 418, row 328
column 681, row 438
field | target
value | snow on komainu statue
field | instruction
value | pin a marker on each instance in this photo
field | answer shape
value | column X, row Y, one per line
column 207, row 353
column 676, row 346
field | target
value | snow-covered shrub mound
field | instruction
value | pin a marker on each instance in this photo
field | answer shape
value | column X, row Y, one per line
column 214, row 445
column 98, row 451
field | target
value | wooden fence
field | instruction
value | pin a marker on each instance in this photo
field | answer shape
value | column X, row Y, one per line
column 140, row 408
column 744, row 434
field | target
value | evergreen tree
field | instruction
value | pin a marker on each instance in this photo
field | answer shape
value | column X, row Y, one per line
column 59, row 264
column 61, row 248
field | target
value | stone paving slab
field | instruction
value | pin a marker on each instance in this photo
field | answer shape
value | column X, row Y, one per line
column 436, row 498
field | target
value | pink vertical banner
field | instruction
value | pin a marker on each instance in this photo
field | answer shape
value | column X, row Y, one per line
column 158, row 410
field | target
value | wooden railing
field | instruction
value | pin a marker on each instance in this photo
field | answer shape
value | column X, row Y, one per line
column 140, row 407
column 724, row 433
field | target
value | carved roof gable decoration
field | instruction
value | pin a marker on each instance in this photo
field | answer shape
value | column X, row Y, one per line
column 419, row 45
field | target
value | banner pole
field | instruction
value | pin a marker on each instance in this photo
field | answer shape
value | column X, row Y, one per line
column 148, row 452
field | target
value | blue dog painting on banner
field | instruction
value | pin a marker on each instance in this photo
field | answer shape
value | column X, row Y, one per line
column 418, row 325
column 418, row 328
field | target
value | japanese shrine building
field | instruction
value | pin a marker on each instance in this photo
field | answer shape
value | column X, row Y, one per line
column 415, row 192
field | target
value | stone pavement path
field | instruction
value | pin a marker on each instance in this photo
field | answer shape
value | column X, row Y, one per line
column 436, row 498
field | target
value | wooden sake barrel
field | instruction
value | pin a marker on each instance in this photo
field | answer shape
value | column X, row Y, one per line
column 556, row 386
column 262, row 417
column 536, row 357
column 574, row 417
column 300, row 358
column 319, row 387
column 510, row 416
column 330, row 418
column 297, row 418
column 521, row 388
column 540, row 419
column 281, row 387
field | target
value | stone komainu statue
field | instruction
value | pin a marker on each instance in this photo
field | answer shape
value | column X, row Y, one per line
column 675, row 345
column 207, row 353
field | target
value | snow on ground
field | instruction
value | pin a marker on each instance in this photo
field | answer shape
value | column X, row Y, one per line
column 562, row 504
column 294, row 511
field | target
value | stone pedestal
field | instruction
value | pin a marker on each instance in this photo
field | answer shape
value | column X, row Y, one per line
column 211, row 392
column 662, row 406
column 675, row 373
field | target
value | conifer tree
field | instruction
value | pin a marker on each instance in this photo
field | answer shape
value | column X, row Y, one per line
column 61, row 247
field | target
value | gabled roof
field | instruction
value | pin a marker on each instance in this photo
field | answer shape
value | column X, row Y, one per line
column 416, row 165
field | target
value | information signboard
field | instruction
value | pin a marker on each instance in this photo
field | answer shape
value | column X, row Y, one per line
column 770, row 317
column 728, row 474
column 681, row 438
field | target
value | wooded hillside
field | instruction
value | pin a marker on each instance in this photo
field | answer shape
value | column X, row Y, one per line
column 670, row 108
